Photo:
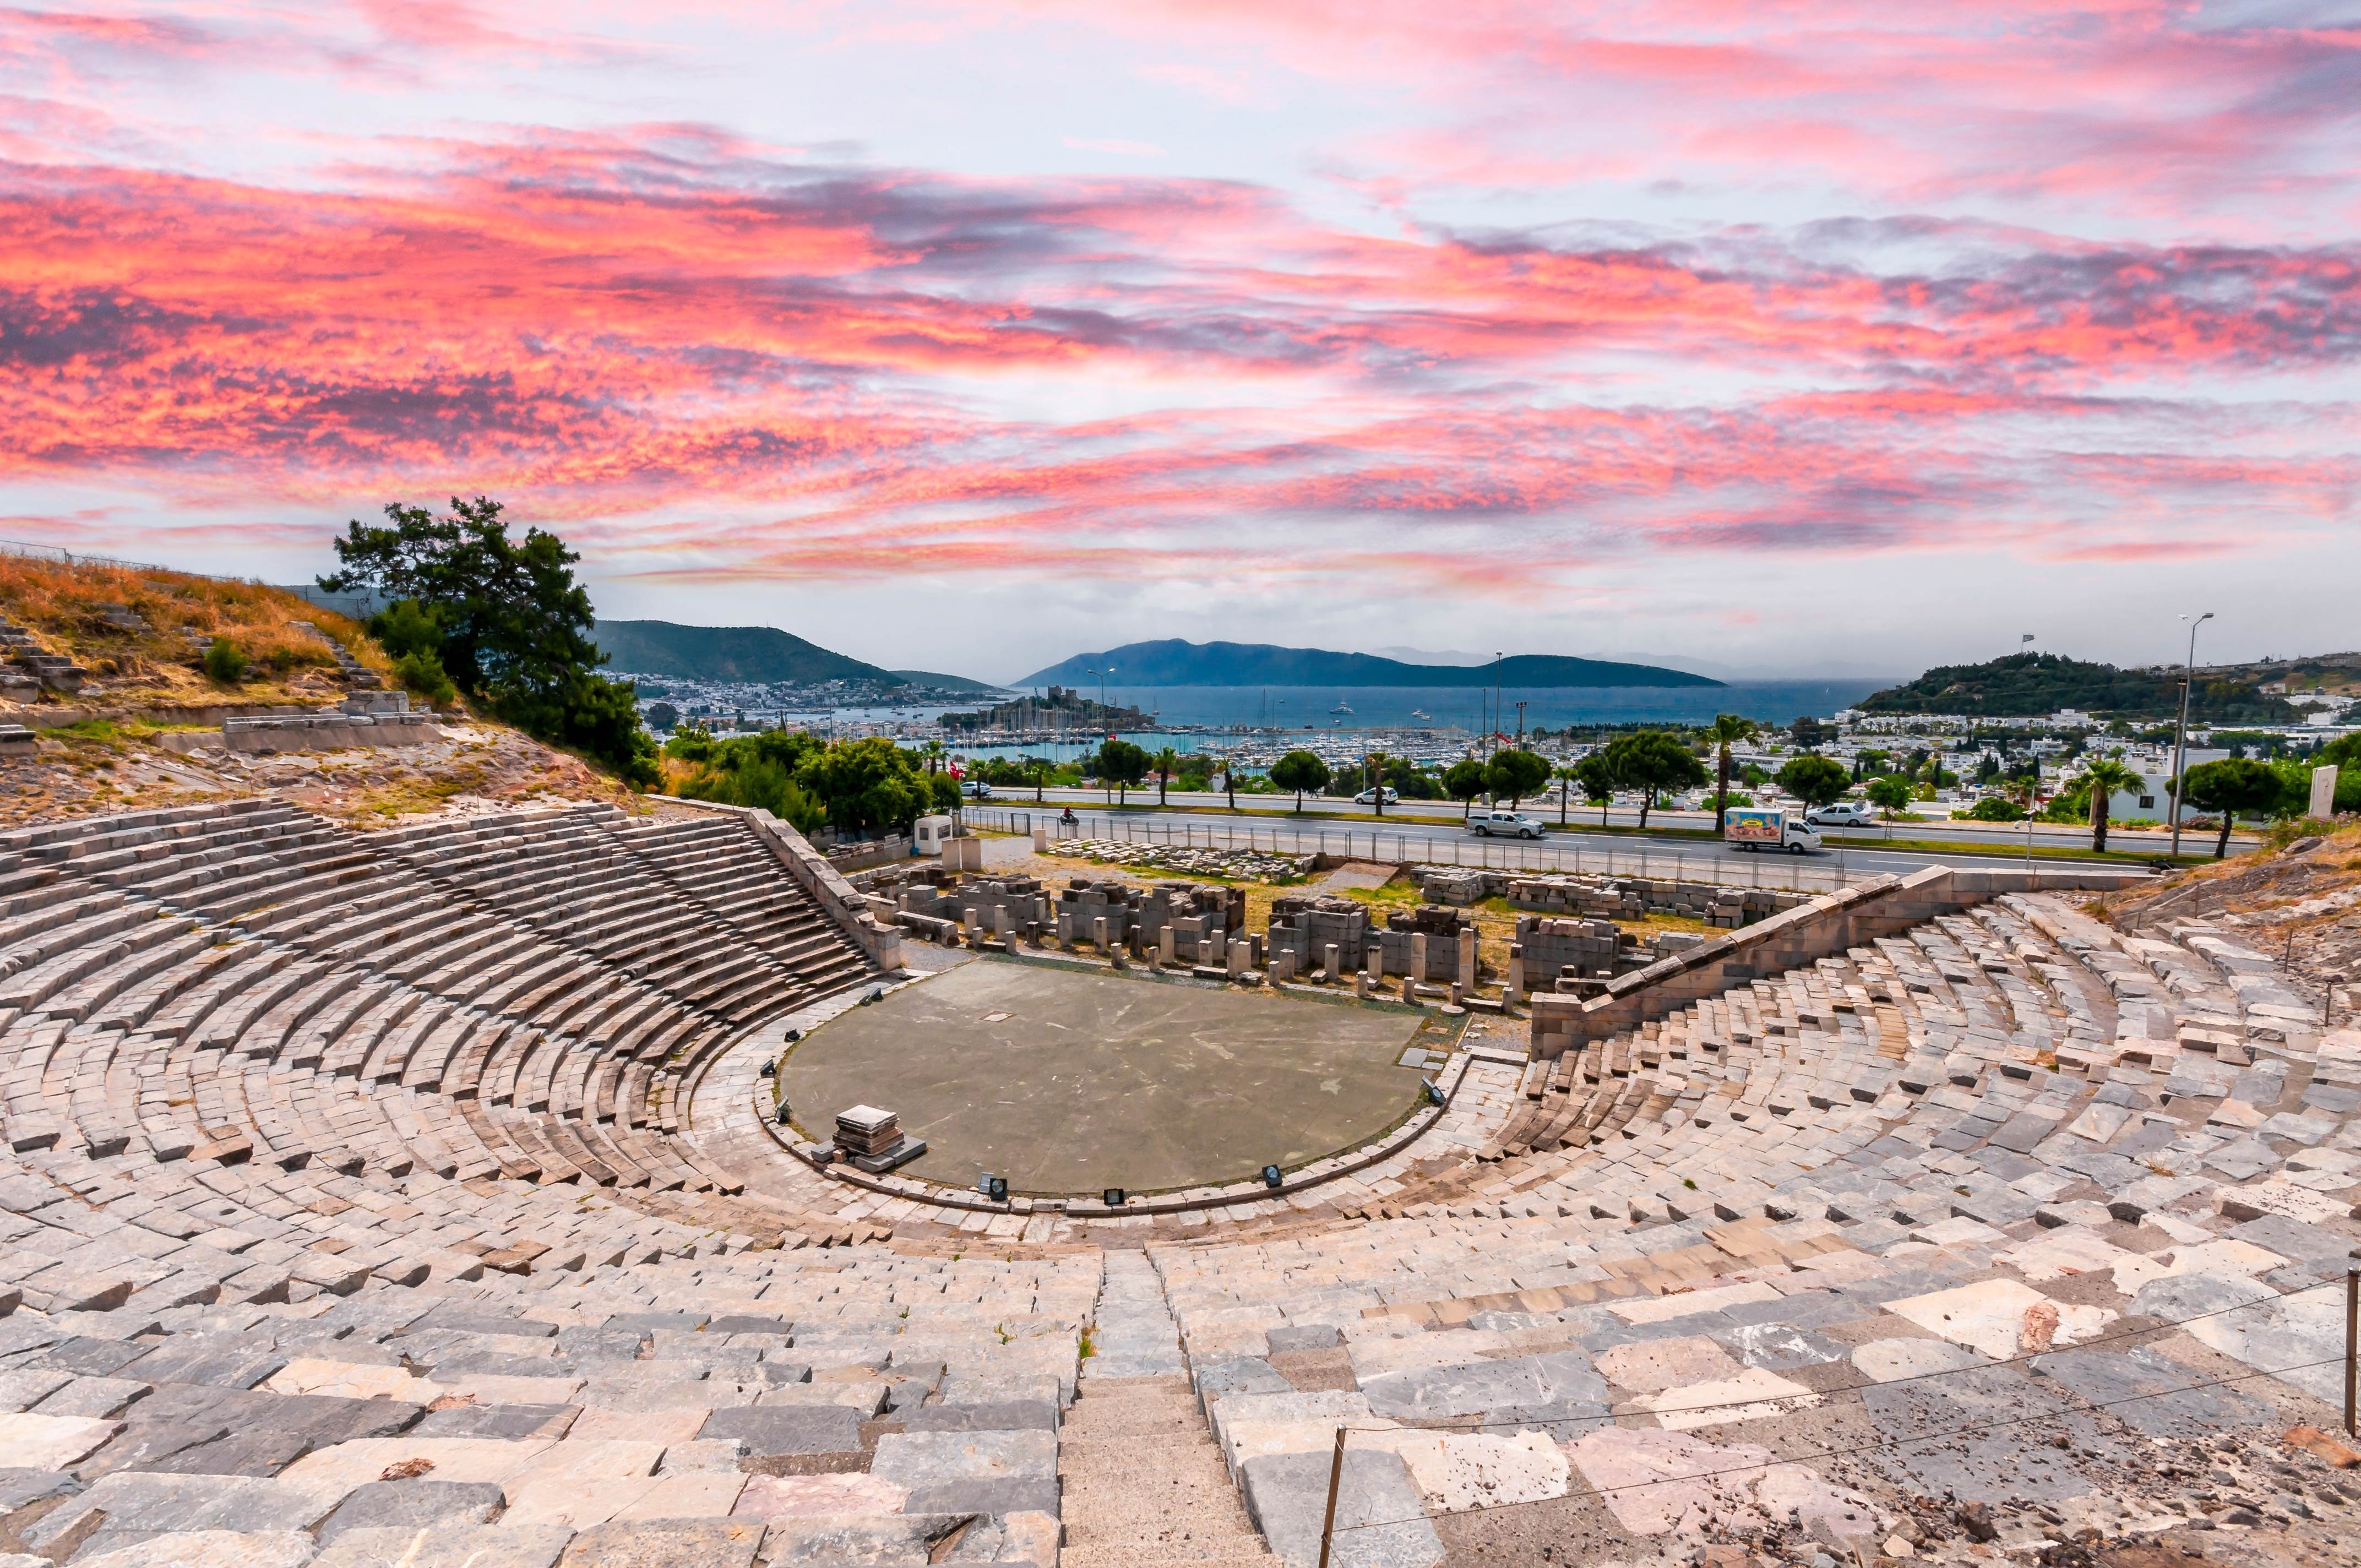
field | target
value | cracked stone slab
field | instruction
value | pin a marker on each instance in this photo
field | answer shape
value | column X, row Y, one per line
column 666, row 1543
column 462, row 1546
column 1380, row 1514
column 201, row 1548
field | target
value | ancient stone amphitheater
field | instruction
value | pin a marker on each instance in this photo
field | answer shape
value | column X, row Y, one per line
column 407, row 1197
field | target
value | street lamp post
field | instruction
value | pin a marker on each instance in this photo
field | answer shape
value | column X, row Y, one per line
column 2180, row 730
column 1497, row 657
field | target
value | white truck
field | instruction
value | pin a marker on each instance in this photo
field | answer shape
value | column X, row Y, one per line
column 1761, row 828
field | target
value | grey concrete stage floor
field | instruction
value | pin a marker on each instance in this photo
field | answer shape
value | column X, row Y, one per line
column 1069, row 1083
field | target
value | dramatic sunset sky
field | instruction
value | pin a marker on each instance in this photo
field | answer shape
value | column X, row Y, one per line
column 1822, row 335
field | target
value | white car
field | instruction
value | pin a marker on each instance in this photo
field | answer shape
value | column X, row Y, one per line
column 1844, row 813
column 1507, row 824
column 1369, row 797
column 976, row 789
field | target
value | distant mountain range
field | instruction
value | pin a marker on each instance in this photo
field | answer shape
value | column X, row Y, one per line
column 1173, row 663
column 758, row 655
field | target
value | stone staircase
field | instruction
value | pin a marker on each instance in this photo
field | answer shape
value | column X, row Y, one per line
column 1145, row 1485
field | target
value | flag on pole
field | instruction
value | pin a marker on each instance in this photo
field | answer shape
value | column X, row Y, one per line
column 2026, row 638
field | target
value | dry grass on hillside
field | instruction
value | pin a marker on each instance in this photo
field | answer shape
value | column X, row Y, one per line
column 62, row 606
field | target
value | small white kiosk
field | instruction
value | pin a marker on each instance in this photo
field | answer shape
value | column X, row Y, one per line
column 930, row 834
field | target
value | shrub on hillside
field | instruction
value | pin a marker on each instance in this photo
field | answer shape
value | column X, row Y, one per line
column 225, row 663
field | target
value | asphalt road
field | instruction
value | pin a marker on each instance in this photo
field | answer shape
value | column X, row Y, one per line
column 1642, row 854
column 1444, row 820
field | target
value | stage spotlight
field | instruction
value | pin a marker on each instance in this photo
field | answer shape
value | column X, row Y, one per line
column 793, row 1035
column 783, row 1113
column 1433, row 1093
column 992, row 1187
column 1271, row 1177
column 1113, row 1197
column 769, row 1069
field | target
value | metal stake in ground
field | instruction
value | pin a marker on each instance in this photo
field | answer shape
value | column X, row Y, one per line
column 1337, row 1466
column 2352, row 1366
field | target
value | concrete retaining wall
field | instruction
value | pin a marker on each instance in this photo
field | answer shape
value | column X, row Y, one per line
column 1821, row 927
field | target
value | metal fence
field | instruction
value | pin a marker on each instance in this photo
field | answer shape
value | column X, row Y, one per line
column 1790, row 872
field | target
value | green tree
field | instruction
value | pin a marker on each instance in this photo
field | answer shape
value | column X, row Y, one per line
column 2230, row 787
column 1300, row 771
column 515, row 625
column 1889, row 794
column 1652, row 761
column 1230, row 780
column 1516, row 773
column 867, row 785
column 1374, row 765
column 1596, row 776
column 1815, row 781
column 1565, row 773
column 663, row 717
column 1727, row 730
column 1992, row 810
column 1037, row 773
column 1168, row 762
column 1122, row 765
column 2104, row 776
column 1463, row 781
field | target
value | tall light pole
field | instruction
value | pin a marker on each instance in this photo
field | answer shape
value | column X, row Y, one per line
column 1497, row 657
column 2180, row 730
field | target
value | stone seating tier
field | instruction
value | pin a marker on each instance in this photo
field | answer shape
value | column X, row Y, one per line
column 350, row 1193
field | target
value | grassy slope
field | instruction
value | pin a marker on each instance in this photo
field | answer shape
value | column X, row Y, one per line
column 60, row 604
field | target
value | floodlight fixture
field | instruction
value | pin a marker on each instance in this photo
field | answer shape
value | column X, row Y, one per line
column 1271, row 1177
column 1113, row 1197
column 793, row 1035
column 1434, row 1092
column 783, row 1113
column 992, row 1187
column 768, row 1069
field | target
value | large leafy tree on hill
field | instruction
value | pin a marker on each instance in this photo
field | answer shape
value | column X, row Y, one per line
column 1596, row 778
column 1463, row 781
column 1815, row 781
column 1300, row 771
column 504, row 617
column 2229, row 787
column 1652, row 761
column 1516, row 773
column 1122, row 765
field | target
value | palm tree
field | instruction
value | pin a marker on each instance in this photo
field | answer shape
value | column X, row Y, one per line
column 1230, row 780
column 1039, row 768
column 2106, row 775
column 1168, row 762
column 934, row 752
column 1726, row 731
column 1376, row 771
column 1565, row 773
